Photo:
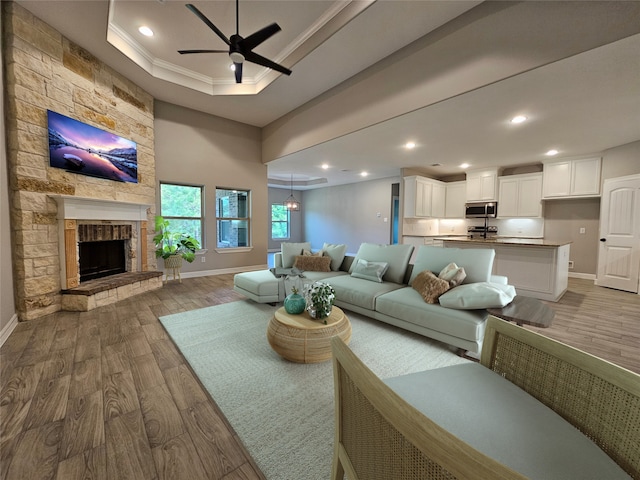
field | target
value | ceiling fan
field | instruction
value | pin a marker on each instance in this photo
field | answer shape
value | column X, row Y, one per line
column 241, row 49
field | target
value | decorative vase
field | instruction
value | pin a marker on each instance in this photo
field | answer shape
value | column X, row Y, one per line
column 319, row 311
column 294, row 304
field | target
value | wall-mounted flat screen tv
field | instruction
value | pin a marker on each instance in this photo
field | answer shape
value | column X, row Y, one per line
column 81, row 148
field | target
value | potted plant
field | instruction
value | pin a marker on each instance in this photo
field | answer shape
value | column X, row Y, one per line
column 173, row 247
column 319, row 297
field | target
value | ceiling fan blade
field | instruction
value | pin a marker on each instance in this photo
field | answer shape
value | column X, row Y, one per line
column 238, row 72
column 265, row 62
column 182, row 52
column 208, row 22
column 258, row 37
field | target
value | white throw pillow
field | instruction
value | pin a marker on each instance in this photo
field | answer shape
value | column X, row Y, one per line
column 370, row 270
column 291, row 250
column 336, row 252
column 472, row 296
column 453, row 274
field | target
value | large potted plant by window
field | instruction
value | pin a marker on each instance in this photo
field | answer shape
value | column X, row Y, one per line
column 173, row 247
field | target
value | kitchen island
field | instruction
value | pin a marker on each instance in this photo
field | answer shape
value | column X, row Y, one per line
column 537, row 267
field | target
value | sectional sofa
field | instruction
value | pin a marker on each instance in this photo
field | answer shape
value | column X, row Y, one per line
column 390, row 296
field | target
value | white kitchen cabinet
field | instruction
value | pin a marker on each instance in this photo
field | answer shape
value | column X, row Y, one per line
column 520, row 196
column 423, row 197
column 482, row 185
column 455, row 198
column 438, row 200
column 572, row 178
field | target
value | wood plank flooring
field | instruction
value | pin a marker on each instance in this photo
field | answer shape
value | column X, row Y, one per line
column 106, row 395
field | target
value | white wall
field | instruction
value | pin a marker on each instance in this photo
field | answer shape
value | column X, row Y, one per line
column 349, row 214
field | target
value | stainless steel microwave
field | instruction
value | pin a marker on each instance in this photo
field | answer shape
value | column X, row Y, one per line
column 481, row 210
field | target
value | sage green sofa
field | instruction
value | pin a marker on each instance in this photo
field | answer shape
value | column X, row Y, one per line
column 393, row 300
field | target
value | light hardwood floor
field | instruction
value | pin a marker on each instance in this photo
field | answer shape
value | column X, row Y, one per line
column 106, row 395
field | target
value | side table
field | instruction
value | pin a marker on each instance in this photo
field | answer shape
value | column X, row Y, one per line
column 525, row 311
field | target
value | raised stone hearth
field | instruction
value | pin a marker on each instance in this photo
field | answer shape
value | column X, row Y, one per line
column 107, row 290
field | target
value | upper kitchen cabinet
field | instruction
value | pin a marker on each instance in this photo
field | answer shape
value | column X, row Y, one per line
column 482, row 185
column 520, row 196
column 455, row 199
column 571, row 178
column 423, row 197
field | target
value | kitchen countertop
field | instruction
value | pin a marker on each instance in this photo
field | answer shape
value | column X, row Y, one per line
column 536, row 242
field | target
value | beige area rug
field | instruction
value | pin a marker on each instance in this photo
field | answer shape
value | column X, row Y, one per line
column 283, row 411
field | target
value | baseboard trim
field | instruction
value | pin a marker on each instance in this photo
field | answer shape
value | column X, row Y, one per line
column 222, row 271
column 585, row 276
column 8, row 328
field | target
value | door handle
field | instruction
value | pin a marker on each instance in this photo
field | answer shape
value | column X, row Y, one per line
column 603, row 239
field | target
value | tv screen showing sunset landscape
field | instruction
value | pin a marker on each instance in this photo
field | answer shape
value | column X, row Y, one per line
column 81, row 148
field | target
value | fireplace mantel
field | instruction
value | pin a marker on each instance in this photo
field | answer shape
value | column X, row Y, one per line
column 72, row 209
column 81, row 208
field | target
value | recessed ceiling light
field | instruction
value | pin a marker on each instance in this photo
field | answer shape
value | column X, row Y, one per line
column 551, row 153
column 410, row 145
column 232, row 67
column 146, row 31
column 519, row 119
column 464, row 165
column 364, row 174
column 325, row 166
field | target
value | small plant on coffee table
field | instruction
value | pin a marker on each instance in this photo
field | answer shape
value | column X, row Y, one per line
column 319, row 297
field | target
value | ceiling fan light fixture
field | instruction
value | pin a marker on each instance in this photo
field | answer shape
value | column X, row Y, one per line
column 236, row 57
column 240, row 48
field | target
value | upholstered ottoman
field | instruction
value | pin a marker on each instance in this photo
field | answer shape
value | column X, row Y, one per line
column 260, row 286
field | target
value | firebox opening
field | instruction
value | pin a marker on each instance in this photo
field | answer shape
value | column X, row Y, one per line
column 101, row 259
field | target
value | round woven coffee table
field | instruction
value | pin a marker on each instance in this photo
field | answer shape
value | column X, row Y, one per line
column 301, row 339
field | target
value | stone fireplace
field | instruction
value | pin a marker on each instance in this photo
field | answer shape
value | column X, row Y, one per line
column 88, row 220
column 102, row 239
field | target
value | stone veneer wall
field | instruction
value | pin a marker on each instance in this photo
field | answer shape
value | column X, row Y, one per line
column 44, row 70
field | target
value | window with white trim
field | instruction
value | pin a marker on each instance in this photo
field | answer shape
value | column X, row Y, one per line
column 280, row 222
column 233, row 222
column 182, row 206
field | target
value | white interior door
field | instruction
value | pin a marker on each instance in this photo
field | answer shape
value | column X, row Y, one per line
column 619, row 252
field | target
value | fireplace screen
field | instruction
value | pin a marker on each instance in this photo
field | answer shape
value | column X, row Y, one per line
column 101, row 259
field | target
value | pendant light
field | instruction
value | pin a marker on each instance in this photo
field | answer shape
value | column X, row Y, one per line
column 291, row 203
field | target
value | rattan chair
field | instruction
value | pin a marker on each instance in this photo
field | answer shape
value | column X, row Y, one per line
column 379, row 436
column 600, row 399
